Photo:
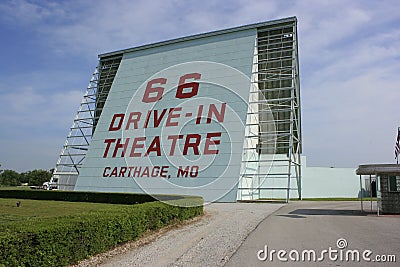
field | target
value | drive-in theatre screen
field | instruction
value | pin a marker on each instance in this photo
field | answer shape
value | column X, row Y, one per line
column 200, row 115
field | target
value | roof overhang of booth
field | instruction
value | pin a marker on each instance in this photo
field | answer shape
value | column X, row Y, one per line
column 378, row 169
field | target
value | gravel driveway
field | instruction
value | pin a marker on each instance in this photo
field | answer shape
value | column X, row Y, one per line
column 208, row 241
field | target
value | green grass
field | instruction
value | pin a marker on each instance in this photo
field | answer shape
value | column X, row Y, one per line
column 59, row 233
column 340, row 199
column 41, row 209
column 323, row 199
column 15, row 188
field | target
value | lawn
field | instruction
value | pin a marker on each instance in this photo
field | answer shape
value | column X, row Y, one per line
column 60, row 233
column 14, row 187
column 322, row 199
column 40, row 209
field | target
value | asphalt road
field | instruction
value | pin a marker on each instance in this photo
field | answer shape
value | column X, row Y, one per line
column 302, row 227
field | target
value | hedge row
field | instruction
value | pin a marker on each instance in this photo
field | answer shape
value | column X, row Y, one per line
column 76, row 196
column 66, row 240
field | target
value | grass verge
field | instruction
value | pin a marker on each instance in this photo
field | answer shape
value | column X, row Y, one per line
column 322, row 199
column 57, row 233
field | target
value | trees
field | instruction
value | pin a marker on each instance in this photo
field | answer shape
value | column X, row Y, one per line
column 34, row 177
column 9, row 178
column 38, row 177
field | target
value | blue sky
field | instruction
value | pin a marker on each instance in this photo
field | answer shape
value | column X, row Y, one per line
column 349, row 68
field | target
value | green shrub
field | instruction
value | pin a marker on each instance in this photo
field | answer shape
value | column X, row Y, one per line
column 61, row 241
column 76, row 196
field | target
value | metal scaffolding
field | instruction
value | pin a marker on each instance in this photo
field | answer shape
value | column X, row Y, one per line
column 78, row 140
column 80, row 135
column 108, row 68
column 271, row 167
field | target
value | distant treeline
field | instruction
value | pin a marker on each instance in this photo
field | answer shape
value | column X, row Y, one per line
column 13, row 178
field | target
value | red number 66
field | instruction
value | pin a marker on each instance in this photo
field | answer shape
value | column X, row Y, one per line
column 153, row 94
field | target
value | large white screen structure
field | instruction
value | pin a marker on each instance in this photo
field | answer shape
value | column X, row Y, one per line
column 201, row 115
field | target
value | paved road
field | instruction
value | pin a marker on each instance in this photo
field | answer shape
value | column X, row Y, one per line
column 211, row 241
column 317, row 226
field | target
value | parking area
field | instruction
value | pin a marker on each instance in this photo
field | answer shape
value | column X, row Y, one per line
column 321, row 233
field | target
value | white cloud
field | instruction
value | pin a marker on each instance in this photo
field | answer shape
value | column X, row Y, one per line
column 26, row 108
column 348, row 61
column 34, row 126
column 23, row 12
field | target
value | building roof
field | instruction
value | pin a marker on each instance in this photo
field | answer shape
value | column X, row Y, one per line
column 370, row 169
column 201, row 35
